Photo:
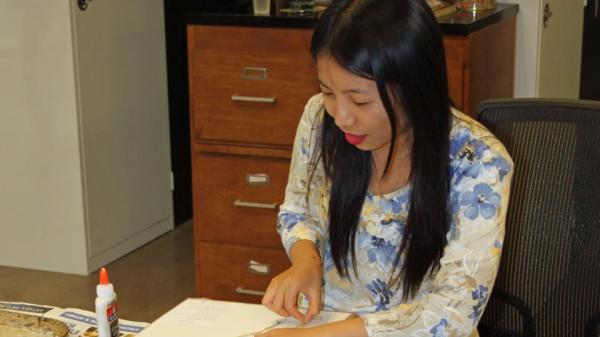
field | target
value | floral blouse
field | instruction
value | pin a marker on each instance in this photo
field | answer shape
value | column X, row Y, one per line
column 450, row 302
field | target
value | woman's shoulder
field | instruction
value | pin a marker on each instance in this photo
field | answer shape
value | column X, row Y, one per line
column 313, row 109
column 472, row 143
column 315, row 102
column 307, row 132
column 310, row 122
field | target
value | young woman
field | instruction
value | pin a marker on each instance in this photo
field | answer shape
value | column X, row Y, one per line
column 395, row 203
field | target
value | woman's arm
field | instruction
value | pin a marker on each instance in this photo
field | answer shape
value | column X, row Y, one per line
column 301, row 232
column 297, row 219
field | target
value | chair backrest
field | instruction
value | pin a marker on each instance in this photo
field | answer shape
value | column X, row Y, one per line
column 549, row 279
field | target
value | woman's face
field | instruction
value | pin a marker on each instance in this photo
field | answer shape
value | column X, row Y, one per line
column 354, row 103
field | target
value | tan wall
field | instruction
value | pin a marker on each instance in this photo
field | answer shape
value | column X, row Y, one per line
column 548, row 61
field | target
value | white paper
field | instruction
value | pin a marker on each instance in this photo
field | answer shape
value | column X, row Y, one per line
column 208, row 318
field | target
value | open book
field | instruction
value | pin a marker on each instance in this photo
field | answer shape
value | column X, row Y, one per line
column 208, row 318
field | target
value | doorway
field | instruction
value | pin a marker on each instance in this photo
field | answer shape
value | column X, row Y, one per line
column 590, row 55
column 179, row 116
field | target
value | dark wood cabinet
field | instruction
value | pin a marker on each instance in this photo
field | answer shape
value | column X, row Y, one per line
column 481, row 65
column 248, row 88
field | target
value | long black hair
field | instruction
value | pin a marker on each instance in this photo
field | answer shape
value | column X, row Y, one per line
column 398, row 44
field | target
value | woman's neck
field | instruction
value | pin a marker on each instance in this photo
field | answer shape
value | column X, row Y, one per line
column 398, row 172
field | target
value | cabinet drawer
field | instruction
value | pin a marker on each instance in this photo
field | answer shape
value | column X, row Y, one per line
column 246, row 80
column 237, row 197
column 236, row 273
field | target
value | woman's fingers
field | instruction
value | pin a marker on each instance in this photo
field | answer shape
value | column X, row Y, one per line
column 282, row 293
column 314, row 303
column 273, row 299
column 269, row 295
column 278, row 303
column 291, row 303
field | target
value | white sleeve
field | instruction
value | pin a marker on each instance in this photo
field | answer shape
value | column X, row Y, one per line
column 296, row 220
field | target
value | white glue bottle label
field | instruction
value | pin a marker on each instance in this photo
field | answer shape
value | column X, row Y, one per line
column 107, row 314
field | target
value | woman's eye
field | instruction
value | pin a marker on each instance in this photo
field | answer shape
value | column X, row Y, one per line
column 361, row 103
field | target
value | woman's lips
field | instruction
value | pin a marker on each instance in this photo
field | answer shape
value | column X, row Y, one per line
column 354, row 139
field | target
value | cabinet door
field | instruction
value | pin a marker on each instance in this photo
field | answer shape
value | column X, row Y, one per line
column 237, row 197
column 124, row 119
column 248, row 80
column 235, row 272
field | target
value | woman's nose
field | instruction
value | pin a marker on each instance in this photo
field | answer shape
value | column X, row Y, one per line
column 344, row 117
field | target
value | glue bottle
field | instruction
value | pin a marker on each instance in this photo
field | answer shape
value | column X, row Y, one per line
column 107, row 317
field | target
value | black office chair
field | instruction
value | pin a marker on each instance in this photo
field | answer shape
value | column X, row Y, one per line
column 549, row 279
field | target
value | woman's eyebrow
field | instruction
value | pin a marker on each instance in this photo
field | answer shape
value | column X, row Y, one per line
column 350, row 91
column 322, row 84
column 356, row 91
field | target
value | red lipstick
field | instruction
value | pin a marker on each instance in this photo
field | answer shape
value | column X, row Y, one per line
column 354, row 139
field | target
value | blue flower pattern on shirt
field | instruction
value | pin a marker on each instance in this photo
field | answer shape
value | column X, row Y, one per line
column 289, row 220
column 391, row 205
column 381, row 251
column 480, row 294
column 327, row 259
column 469, row 153
column 479, row 172
column 381, row 292
column 304, row 148
column 438, row 329
column 502, row 165
column 482, row 200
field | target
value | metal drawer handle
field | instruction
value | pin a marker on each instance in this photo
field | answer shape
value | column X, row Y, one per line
column 238, row 98
column 250, row 204
column 255, row 73
column 257, row 179
column 243, row 291
column 259, row 268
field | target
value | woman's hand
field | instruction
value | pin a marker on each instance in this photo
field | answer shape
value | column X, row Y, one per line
column 304, row 276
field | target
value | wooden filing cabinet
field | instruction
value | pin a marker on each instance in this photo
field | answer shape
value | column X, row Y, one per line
column 481, row 65
column 248, row 89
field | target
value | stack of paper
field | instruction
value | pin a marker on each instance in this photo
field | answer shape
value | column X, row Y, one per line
column 208, row 318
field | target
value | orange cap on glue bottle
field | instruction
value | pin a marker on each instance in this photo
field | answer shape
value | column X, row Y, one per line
column 105, row 288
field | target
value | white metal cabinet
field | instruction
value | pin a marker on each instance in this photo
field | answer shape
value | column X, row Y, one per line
column 84, row 173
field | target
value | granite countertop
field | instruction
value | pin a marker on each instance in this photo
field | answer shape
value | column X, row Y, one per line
column 239, row 13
